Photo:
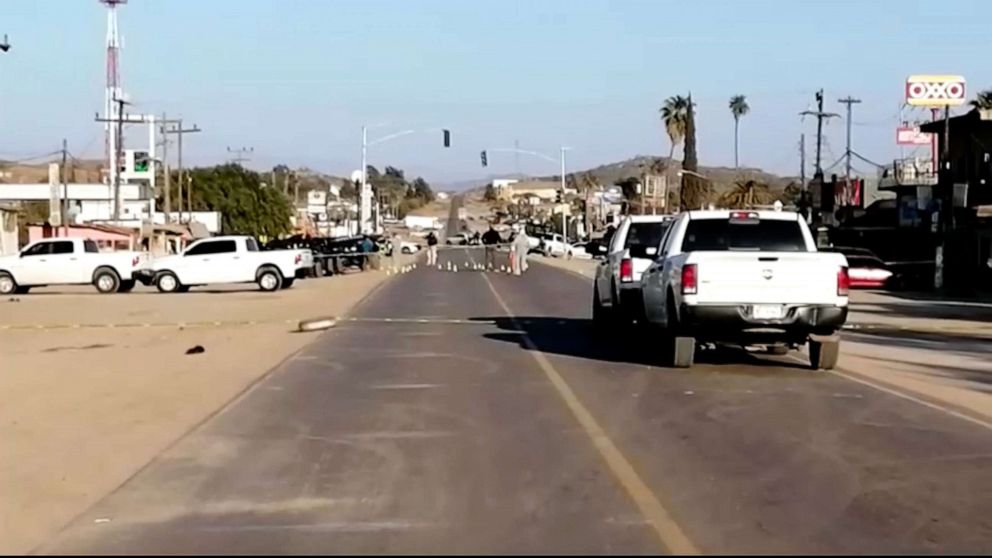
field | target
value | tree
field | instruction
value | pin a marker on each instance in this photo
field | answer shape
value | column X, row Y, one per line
column 746, row 194
column 490, row 194
column 673, row 115
column 983, row 100
column 422, row 190
column 245, row 206
column 738, row 108
column 694, row 191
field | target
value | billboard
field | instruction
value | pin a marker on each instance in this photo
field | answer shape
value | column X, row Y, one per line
column 935, row 91
column 911, row 135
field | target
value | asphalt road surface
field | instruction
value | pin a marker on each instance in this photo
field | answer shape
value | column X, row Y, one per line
column 476, row 413
column 454, row 225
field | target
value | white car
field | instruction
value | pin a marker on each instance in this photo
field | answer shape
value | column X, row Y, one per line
column 752, row 278
column 68, row 261
column 227, row 259
column 407, row 247
column 554, row 245
column 617, row 285
column 582, row 250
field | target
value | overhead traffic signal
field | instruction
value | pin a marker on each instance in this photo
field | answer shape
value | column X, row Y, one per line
column 447, row 138
column 485, row 161
column 558, row 196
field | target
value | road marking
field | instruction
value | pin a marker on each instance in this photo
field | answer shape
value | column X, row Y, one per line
column 654, row 512
column 405, row 386
column 857, row 378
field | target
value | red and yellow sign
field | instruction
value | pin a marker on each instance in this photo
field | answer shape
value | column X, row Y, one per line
column 935, row 91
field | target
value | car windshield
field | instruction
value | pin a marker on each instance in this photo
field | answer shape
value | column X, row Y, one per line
column 766, row 235
column 644, row 239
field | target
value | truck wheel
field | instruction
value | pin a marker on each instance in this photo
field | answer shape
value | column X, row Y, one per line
column 106, row 280
column 127, row 286
column 287, row 283
column 7, row 284
column 167, row 282
column 823, row 355
column 269, row 279
column 778, row 350
column 683, row 352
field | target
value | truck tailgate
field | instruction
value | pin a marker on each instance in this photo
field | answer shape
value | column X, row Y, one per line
column 767, row 277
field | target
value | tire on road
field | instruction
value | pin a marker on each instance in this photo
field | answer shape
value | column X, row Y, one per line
column 268, row 278
column 106, row 280
column 167, row 282
column 288, row 282
column 8, row 285
column 823, row 354
column 127, row 286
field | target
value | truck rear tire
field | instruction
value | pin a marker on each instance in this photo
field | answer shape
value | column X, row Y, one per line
column 106, row 280
column 823, row 355
column 600, row 314
column 287, row 283
column 683, row 352
column 127, row 286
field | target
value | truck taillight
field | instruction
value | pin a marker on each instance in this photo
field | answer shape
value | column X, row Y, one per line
column 843, row 282
column 626, row 271
column 690, row 279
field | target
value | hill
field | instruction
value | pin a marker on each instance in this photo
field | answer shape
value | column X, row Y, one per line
column 609, row 174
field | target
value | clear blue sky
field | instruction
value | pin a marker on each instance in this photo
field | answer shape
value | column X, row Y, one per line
column 297, row 79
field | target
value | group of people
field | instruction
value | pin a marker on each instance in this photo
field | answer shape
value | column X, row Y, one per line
column 519, row 247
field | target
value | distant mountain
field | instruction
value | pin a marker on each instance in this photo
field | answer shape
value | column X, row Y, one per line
column 608, row 174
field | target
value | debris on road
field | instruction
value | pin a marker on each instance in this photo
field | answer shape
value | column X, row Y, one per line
column 198, row 349
column 317, row 324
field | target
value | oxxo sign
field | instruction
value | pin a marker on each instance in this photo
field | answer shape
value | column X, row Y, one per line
column 935, row 91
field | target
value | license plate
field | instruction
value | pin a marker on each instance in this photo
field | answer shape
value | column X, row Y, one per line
column 767, row 312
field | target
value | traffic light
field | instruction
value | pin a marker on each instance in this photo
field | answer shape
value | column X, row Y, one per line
column 447, row 138
column 558, row 196
column 485, row 161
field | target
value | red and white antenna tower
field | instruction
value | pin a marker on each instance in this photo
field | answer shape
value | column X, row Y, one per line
column 113, row 91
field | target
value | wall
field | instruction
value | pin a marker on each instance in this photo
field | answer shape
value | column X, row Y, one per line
column 8, row 232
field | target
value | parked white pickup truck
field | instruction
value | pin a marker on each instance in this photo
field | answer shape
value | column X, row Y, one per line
column 227, row 259
column 616, row 296
column 68, row 261
column 752, row 278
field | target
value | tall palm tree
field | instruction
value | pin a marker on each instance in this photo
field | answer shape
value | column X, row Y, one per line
column 738, row 107
column 983, row 100
column 673, row 114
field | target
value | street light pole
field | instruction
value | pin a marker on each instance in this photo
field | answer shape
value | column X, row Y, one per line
column 365, row 178
column 564, row 226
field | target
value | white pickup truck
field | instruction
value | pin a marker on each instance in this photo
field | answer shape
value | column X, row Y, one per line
column 616, row 296
column 227, row 259
column 68, row 261
column 752, row 278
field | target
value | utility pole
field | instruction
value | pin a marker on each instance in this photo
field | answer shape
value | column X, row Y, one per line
column 365, row 178
column 240, row 155
column 63, row 205
column 802, row 163
column 179, row 131
column 820, row 116
column 564, row 226
column 118, row 155
column 849, row 101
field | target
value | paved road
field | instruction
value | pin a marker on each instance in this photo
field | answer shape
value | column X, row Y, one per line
column 454, row 225
column 513, row 431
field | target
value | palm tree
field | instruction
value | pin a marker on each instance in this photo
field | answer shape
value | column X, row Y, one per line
column 983, row 100
column 673, row 114
column 738, row 107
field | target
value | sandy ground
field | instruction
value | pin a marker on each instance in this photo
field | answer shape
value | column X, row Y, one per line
column 934, row 350
column 81, row 410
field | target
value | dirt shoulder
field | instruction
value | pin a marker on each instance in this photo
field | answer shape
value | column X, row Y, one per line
column 81, row 410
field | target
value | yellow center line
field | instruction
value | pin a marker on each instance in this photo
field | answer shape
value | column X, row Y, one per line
column 654, row 512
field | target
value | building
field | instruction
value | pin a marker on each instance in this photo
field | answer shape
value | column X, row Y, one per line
column 8, row 230
column 513, row 190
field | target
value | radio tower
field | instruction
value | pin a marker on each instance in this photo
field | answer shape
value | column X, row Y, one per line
column 113, row 91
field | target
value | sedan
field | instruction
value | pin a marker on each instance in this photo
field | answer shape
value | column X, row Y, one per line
column 867, row 272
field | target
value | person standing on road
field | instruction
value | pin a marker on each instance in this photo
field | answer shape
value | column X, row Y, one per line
column 520, row 247
column 431, row 249
column 491, row 239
